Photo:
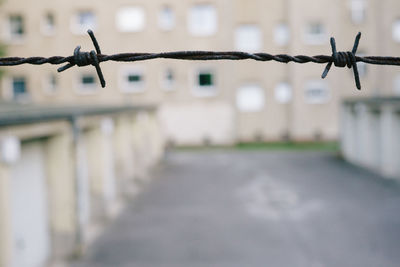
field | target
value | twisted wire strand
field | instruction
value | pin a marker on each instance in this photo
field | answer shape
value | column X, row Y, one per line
column 80, row 59
column 197, row 55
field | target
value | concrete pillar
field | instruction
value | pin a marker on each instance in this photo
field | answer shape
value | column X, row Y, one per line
column 388, row 141
column 82, row 186
column 362, row 141
column 124, row 153
column 62, row 195
column 5, row 218
column 140, row 145
column 368, row 132
column 348, row 133
column 374, row 132
column 157, row 136
column 101, row 172
column 396, row 142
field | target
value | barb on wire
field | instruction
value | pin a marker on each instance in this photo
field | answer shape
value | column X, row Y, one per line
column 94, row 58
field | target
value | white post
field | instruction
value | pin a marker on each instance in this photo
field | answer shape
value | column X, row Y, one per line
column 388, row 141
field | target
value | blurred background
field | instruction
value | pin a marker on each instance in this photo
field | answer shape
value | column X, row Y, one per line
column 73, row 153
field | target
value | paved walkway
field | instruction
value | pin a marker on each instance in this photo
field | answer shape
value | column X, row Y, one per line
column 245, row 209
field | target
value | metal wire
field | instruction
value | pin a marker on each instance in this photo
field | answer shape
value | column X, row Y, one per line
column 80, row 59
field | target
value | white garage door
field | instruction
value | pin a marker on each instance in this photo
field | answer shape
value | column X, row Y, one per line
column 29, row 209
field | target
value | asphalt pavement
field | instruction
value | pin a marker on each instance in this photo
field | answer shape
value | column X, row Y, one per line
column 232, row 208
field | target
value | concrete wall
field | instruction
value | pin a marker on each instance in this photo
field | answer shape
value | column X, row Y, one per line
column 103, row 149
column 370, row 134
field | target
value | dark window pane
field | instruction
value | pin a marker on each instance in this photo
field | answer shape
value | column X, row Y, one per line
column 52, row 83
column 16, row 25
column 206, row 79
column 134, row 78
column 19, row 87
column 87, row 80
column 169, row 76
column 50, row 19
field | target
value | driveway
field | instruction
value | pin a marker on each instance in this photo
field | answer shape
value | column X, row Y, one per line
column 232, row 208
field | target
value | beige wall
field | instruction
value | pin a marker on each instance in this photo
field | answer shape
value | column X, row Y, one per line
column 5, row 224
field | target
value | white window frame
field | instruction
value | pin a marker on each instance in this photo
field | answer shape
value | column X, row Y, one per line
column 47, row 86
column 9, row 81
column 11, row 37
column 198, row 28
column 317, row 84
column 277, row 91
column 165, row 84
column 83, row 89
column 358, row 9
column 245, row 32
column 245, row 108
column 204, row 91
column 77, row 28
column 166, row 23
column 396, row 85
column 130, row 88
column 282, row 34
column 362, row 67
column 134, row 15
column 396, row 30
column 45, row 28
column 315, row 39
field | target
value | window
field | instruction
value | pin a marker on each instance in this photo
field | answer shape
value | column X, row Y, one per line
column 87, row 83
column 19, row 88
column 316, row 92
column 50, row 84
column 396, row 85
column 281, row 34
column 396, row 31
column 202, row 20
column 166, row 19
column 206, row 80
column 83, row 21
column 283, row 92
column 358, row 10
column 248, row 38
column 168, row 80
column 250, row 98
column 131, row 19
column 205, row 84
column 132, row 80
column 315, row 34
column 48, row 24
column 362, row 67
column 17, row 27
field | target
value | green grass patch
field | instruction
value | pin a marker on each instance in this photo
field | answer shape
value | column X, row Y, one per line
column 274, row 146
column 325, row 146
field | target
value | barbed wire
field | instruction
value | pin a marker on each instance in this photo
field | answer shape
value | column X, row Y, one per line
column 95, row 57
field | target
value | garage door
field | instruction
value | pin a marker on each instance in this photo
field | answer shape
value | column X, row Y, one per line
column 29, row 209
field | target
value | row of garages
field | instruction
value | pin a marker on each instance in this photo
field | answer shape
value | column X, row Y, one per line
column 370, row 134
column 65, row 172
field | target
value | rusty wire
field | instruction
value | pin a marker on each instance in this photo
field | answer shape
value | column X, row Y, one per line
column 80, row 59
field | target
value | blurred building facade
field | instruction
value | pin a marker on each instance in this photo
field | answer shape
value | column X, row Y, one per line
column 207, row 102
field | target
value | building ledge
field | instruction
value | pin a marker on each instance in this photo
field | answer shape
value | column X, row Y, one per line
column 16, row 114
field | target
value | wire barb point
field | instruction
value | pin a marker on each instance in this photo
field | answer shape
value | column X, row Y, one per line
column 343, row 59
column 82, row 59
